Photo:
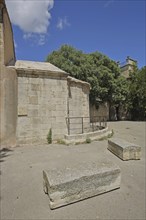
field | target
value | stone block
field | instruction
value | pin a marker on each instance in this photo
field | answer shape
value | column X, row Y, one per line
column 22, row 80
column 34, row 80
column 35, row 122
column 33, row 112
column 22, row 111
column 71, row 184
column 33, row 100
column 124, row 149
column 35, row 87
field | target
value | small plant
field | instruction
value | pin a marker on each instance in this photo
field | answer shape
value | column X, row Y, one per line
column 88, row 140
column 106, row 137
column 49, row 136
column 60, row 141
column 110, row 135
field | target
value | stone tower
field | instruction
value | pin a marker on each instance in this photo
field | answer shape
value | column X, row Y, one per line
column 127, row 67
column 8, row 81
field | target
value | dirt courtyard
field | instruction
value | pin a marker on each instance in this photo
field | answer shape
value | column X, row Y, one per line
column 21, row 180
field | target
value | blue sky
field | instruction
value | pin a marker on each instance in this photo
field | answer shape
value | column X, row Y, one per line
column 113, row 27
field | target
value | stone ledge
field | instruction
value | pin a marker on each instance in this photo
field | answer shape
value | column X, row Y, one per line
column 81, row 138
column 38, row 66
column 123, row 149
column 71, row 184
column 74, row 80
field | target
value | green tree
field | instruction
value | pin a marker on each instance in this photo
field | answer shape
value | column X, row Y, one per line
column 101, row 72
column 137, row 94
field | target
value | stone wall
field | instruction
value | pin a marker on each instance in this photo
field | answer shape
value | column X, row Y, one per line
column 125, row 70
column 8, row 82
column 42, row 104
column 78, row 105
column 128, row 67
column 8, row 106
column 103, row 110
column 9, row 51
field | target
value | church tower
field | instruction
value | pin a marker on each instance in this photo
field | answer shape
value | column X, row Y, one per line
column 8, row 81
column 127, row 67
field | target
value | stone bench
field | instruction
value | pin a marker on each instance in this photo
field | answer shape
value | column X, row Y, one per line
column 68, row 185
column 124, row 149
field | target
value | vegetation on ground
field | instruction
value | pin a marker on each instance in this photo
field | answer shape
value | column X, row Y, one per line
column 49, row 136
column 88, row 140
column 61, row 141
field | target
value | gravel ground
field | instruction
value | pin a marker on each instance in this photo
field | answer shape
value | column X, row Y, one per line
column 21, row 188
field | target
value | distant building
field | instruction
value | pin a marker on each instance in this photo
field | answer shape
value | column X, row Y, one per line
column 127, row 66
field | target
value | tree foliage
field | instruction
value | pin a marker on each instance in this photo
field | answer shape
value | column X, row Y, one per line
column 101, row 72
column 137, row 94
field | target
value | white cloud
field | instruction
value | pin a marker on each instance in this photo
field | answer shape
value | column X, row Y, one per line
column 35, row 38
column 41, row 40
column 62, row 23
column 32, row 17
column 15, row 44
column 27, row 36
column 108, row 3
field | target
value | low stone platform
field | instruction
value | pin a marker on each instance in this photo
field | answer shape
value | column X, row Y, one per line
column 72, row 184
column 124, row 149
column 81, row 138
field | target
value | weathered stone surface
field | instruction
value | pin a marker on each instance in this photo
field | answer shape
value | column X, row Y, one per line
column 8, row 82
column 124, row 149
column 81, row 138
column 47, row 99
column 22, row 111
column 41, row 66
column 72, row 184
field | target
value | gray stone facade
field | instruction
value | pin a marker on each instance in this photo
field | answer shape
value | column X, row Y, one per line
column 127, row 67
column 8, row 81
column 78, row 105
column 43, row 104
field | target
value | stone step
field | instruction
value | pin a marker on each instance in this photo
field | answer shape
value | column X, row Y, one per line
column 71, row 184
column 124, row 149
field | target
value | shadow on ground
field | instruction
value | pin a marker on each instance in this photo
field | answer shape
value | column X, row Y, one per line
column 4, row 152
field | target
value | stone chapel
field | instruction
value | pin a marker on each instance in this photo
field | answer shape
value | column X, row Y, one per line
column 34, row 96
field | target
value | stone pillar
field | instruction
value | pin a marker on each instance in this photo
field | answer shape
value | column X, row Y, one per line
column 8, row 81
